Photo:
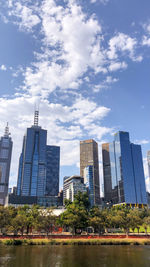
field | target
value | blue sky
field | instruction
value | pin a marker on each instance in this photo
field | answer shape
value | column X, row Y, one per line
column 86, row 63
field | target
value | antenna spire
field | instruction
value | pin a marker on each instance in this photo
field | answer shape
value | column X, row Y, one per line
column 36, row 117
column 6, row 133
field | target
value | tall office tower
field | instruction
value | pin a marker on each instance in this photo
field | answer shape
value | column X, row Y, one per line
column 124, row 180
column 5, row 160
column 52, row 170
column 36, row 173
column 106, row 172
column 89, row 156
column 148, row 161
column 88, row 180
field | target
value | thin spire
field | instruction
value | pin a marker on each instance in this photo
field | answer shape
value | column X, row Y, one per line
column 6, row 133
column 36, row 117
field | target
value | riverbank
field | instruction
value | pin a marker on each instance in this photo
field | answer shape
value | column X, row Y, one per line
column 63, row 242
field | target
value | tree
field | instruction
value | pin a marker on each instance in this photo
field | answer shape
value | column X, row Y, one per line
column 4, row 219
column 146, row 223
column 76, row 214
column 134, row 218
column 96, row 220
column 46, row 221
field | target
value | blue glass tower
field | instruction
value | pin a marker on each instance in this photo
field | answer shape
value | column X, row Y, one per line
column 52, row 170
column 124, row 180
column 38, row 173
column 88, row 177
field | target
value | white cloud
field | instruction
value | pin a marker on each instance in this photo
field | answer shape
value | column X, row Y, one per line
column 105, row 84
column 104, row 2
column 80, row 116
column 146, row 41
column 146, row 27
column 3, row 67
column 114, row 66
column 142, row 142
column 122, row 43
column 26, row 19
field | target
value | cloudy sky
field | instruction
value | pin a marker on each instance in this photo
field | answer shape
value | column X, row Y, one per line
column 86, row 63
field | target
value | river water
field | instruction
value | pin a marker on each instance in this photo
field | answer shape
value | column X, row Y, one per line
column 75, row 256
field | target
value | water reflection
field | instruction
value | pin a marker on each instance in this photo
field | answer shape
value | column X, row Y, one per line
column 75, row 256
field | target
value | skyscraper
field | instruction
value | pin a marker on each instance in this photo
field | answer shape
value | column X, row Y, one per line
column 5, row 160
column 124, row 180
column 88, row 179
column 36, row 175
column 148, row 161
column 52, row 170
column 89, row 156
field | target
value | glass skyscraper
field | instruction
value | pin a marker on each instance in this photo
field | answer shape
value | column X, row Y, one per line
column 5, row 160
column 124, row 180
column 88, row 180
column 89, row 156
column 36, row 174
column 52, row 170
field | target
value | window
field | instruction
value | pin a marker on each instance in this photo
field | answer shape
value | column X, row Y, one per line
column 4, row 153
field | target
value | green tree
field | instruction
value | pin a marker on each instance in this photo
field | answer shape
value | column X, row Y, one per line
column 76, row 214
column 45, row 221
column 146, row 223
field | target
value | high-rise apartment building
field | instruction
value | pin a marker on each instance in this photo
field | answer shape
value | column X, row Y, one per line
column 124, row 180
column 72, row 185
column 89, row 156
column 38, row 173
column 5, row 160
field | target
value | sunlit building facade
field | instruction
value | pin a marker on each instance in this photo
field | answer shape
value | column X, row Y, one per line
column 5, row 161
column 71, row 186
column 124, row 180
column 148, row 161
column 89, row 156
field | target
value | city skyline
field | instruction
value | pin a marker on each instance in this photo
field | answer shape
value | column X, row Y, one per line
column 87, row 65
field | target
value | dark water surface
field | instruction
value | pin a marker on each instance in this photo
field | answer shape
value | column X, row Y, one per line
column 75, row 256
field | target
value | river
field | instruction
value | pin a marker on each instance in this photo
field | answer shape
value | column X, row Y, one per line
column 74, row 256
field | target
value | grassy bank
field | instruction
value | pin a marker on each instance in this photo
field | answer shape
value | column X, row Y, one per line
column 62, row 242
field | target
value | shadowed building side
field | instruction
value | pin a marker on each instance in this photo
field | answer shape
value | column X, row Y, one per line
column 106, row 172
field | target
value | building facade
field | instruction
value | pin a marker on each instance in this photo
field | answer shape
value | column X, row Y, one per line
column 71, row 186
column 148, row 161
column 52, row 170
column 88, row 179
column 38, row 173
column 124, row 180
column 5, row 161
column 89, row 157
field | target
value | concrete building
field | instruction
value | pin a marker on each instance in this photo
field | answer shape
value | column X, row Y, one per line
column 72, row 185
column 5, row 161
column 89, row 157
column 124, row 180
